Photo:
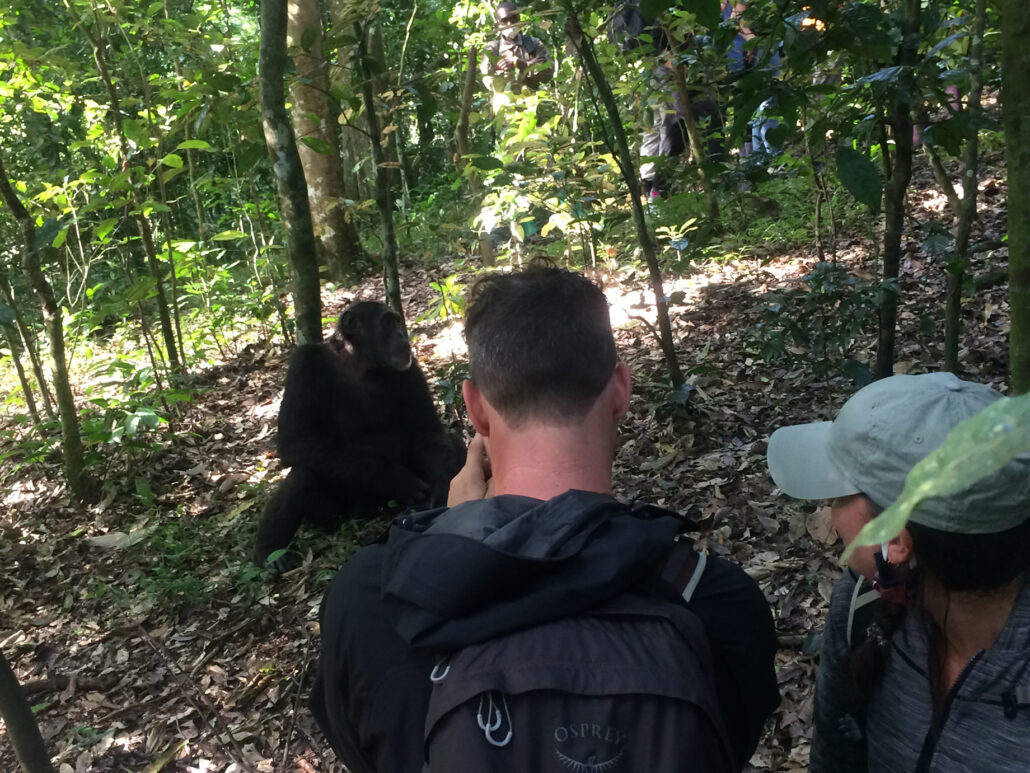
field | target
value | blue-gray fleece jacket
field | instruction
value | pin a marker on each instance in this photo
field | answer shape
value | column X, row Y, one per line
column 983, row 723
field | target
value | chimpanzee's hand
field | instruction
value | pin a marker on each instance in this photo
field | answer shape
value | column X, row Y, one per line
column 505, row 64
column 475, row 479
column 410, row 489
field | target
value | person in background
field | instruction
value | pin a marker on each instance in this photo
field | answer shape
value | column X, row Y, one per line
column 515, row 59
column 763, row 56
column 926, row 667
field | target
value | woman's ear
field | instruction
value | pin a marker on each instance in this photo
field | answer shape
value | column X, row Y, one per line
column 899, row 549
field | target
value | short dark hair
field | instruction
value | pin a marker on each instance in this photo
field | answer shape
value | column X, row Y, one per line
column 509, row 9
column 540, row 343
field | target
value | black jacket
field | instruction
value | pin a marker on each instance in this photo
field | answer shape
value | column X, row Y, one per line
column 446, row 579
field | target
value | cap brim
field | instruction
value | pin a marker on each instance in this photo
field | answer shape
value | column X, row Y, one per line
column 800, row 464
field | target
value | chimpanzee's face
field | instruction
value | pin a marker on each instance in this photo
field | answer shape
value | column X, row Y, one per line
column 372, row 334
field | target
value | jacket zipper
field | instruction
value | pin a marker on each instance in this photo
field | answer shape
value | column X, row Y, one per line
column 934, row 733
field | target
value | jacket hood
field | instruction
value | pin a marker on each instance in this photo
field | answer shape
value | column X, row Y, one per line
column 466, row 574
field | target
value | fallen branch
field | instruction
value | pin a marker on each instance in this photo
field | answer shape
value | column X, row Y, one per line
column 61, row 682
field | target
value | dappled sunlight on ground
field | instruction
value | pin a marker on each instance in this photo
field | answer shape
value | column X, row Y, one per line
column 628, row 304
column 23, row 493
column 446, row 343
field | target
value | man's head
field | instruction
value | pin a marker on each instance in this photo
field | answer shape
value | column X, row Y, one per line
column 540, row 344
column 507, row 16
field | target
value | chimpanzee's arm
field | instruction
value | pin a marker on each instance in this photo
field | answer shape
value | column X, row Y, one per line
column 361, row 466
column 315, row 379
column 437, row 459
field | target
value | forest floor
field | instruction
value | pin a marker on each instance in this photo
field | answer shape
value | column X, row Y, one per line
column 147, row 642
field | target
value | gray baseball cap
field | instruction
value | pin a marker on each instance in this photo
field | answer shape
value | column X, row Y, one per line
column 880, row 434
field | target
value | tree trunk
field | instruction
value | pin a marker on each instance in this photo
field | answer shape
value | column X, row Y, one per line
column 697, row 147
column 291, row 188
column 966, row 211
column 461, row 139
column 71, row 442
column 897, row 186
column 384, row 194
column 352, row 140
column 11, row 334
column 375, row 47
column 629, row 175
column 337, row 241
column 29, row 342
column 1015, row 92
column 163, row 313
column 21, row 724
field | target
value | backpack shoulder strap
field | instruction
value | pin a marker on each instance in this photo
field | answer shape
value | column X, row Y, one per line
column 684, row 567
column 860, row 611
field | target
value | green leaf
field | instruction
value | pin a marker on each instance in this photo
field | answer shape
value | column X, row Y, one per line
column 707, row 12
column 194, row 145
column 860, row 177
column 106, row 227
column 226, row 236
column 170, row 174
column 886, row 75
column 318, row 145
column 143, row 489
column 60, row 239
column 977, row 447
column 651, row 8
column 486, row 163
column 134, row 132
column 173, row 160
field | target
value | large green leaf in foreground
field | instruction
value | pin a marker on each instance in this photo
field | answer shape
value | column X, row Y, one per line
column 977, row 447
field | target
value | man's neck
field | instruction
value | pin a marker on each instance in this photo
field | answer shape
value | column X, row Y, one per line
column 543, row 462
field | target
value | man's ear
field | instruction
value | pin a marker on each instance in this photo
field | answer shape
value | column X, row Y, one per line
column 621, row 389
column 475, row 404
column 899, row 549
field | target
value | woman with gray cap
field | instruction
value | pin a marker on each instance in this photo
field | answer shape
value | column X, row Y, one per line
column 934, row 674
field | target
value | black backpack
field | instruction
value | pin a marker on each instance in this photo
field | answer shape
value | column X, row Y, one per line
column 628, row 687
column 627, row 23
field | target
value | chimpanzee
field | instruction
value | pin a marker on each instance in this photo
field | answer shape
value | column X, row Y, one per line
column 358, row 428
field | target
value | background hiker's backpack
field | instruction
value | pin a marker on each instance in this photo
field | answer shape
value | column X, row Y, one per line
column 627, row 687
column 627, row 23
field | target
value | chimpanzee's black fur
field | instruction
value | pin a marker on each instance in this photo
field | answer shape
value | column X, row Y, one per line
column 358, row 428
